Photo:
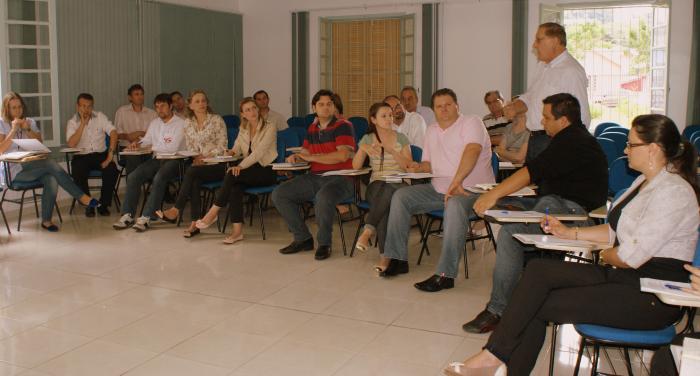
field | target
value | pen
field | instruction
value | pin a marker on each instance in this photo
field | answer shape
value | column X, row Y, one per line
column 546, row 217
column 672, row 287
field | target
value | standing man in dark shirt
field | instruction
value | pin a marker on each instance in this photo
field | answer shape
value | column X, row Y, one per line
column 572, row 175
column 329, row 146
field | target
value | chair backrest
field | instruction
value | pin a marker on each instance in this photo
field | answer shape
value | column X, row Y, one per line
column 231, row 135
column 619, row 138
column 296, row 121
column 300, row 133
column 603, row 126
column 286, row 139
column 232, row 121
column 416, row 153
column 620, row 176
column 495, row 164
column 694, row 136
column 309, row 119
column 689, row 130
column 609, row 149
column 359, row 125
column 615, row 130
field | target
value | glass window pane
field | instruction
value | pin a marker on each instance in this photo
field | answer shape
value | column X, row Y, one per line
column 408, row 26
column 408, row 45
column 30, row 82
column 46, row 128
column 26, row 10
column 408, row 63
column 658, row 58
column 38, row 106
column 29, row 34
column 24, row 58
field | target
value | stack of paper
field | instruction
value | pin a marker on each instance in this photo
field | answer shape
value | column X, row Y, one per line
column 411, row 175
column 135, row 152
column 658, row 286
column 346, row 172
column 31, row 144
column 17, row 155
column 483, row 188
column 554, row 243
column 286, row 165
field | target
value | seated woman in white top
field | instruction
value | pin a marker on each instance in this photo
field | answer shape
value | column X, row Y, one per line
column 14, row 125
column 513, row 145
column 257, row 143
column 653, row 229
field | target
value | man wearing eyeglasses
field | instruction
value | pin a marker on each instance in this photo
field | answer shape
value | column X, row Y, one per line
column 410, row 124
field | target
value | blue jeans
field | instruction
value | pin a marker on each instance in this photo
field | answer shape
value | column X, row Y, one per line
column 325, row 191
column 423, row 198
column 511, row 253
column 161, row 172
column 51, row 175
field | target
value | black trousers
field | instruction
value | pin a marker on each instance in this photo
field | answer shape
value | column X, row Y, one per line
column 80, row 170
column 232, row 190
column 379, row 194
column 134, row 161
column 192, row 186
column 564, row 292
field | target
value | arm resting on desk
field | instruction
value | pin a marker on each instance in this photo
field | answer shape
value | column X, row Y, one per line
column 342, row 154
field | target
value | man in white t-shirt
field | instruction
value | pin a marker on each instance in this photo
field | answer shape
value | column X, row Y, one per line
column 409, row 100
column 165, row 135
column 410, row 124
column 262, row 100
column 557, row 72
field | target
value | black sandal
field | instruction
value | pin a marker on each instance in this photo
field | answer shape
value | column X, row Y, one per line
column 189, row 234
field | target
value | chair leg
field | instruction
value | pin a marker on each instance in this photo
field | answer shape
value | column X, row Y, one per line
column 72, row 206
column 628, row 361
column 594, row 361
column 261, row 202
column 2, row 211
column 489, row 231
column 424, row 242
column 357, row 233
column 553, row 348
column 58, row 211
column 36, row 205
column 21, row 209
column 581, row 346
column 342, row 233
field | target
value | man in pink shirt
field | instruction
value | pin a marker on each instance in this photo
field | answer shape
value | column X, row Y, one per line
column 457, row 151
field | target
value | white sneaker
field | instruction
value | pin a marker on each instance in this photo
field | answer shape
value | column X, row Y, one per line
column 124, row 222
column 141, row 224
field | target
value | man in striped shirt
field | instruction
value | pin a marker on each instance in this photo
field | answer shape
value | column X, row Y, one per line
column 329, row 145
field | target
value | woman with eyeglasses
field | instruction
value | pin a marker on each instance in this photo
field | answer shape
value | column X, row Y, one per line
column 653, row 229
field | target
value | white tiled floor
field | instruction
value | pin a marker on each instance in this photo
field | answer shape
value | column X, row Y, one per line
column 93, row 301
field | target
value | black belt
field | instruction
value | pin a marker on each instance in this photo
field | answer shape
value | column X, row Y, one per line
column 537, row 133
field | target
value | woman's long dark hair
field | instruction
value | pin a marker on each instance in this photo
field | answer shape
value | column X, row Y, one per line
column 372, row 128
column 680, row 153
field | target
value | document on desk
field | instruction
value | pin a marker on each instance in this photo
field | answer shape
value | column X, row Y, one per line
column 287, row 165
column 659, row 286
column 554, row 243
column 222, row 159
column 17, row 155
column 350, row 172
column 187, row 153
column 483, row 188
column 529, row 216
column 135, row 152
column 30, row 144
column 413, row 175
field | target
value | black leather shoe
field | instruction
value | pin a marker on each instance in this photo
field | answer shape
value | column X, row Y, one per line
column 435, row 283
column 89, row 212
column 323, row 252
column 296, row 246
column 104, row 211
column 395, row 267
column 484, row 322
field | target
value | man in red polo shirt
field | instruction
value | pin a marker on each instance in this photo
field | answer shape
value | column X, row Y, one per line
column 329, row 145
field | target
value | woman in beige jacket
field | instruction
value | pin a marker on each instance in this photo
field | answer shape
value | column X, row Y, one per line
column 257, row 143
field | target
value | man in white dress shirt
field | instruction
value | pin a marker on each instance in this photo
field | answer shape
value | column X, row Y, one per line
column 87, row 130
column 410, row 124
column 262, row 100
column 166, row 134
column 409, row 100
column 557, row 72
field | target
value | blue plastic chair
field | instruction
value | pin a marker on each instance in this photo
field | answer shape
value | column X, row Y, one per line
column 296, row 121
column 259, row 196
column 495, row 164
column 689, row 130
column 609, row 149
column 620, row 175
column 359, row 125
column 309, row 119
column 620, row 139
column 598, row 335
column 300, row 133
column 615, row 130
column 232, row 121
column 416, row 153
column 603, row 126
column 694, row 136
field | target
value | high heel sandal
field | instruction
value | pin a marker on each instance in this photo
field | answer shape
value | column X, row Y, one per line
column 191, row 233
column 229, row 240
column 92, row 204
column 160, row 214
column 200, row 224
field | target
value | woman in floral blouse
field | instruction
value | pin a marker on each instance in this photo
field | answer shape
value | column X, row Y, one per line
column 205, row 134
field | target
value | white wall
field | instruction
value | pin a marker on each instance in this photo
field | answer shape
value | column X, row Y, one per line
column 471, row 62
column 679, row 52
column 230, row 6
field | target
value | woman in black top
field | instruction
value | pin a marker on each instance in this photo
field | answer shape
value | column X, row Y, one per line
column 654, row 231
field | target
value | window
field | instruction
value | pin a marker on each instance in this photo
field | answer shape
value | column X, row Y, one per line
column 363, row 60
column 28, row 61
column 623, row 49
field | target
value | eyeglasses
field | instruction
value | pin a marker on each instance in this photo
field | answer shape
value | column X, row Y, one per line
column 629, row 145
